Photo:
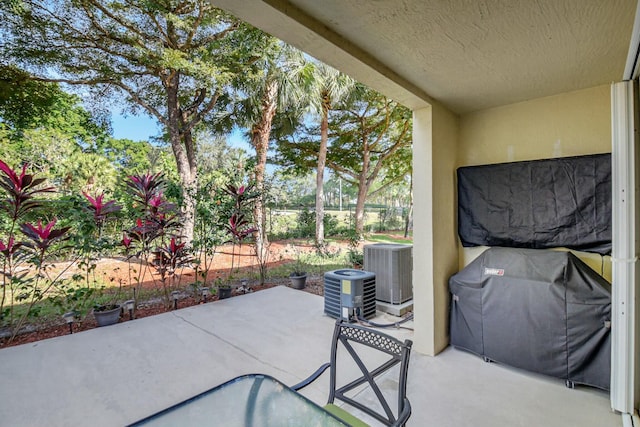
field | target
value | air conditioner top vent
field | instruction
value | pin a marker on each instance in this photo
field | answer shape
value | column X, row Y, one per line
column 388, row 246
column 350, row 273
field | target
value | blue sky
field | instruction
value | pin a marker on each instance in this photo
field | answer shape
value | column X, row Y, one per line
column 137, row 128
column 143, row 127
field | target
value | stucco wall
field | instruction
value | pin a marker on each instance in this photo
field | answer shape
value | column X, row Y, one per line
column 570, row 124
column 435, row 136
column 445, row 135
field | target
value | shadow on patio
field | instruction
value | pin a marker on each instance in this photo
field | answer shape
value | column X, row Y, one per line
column 116, row 375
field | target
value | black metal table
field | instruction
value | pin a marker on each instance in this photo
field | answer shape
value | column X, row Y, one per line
column 254, row 400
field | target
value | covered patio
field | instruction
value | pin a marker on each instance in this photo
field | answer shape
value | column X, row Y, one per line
column 488, row 82
column 493, row 82
column 118, row 374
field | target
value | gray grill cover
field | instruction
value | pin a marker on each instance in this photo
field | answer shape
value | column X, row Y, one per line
column 538, row 204
column 539, row 310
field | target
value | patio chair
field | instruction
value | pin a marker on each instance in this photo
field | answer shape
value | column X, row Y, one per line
column 347, row 334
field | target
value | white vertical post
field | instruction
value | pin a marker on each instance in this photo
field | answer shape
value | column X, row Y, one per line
column 424, row 303
column 624, row 251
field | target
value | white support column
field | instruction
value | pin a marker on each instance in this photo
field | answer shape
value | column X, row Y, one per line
column 624, row 377
column 423, row 292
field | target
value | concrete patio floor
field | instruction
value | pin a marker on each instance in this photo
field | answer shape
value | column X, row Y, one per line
column 116, row 375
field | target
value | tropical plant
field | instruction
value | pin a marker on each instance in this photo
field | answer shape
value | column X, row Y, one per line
column 93, row 242
column 172, row 60
column 155, row 232
column 298, row 267
column 209, row 232
column 355, row 255
column 274, row 92
column 329, row 86
column 21, row 190
column 238, row 226
column 172, row 257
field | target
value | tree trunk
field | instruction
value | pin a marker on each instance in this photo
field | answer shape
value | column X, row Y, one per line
column 190, row 189
column 260, row 134
column 410, row 210
column 322, row 160
column 184, row 153
column 363, row 187
column 362, row 198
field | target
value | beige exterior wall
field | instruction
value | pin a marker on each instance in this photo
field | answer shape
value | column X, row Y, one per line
column 569, row 124
column 435, row 253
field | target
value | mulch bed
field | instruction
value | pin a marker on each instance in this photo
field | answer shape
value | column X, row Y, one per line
column 145, row 309
column 117, row 271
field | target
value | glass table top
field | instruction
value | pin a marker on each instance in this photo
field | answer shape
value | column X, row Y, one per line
column 248, row 401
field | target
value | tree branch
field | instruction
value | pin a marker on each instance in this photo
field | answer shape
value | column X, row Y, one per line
column 134, row 29
column 200, row 115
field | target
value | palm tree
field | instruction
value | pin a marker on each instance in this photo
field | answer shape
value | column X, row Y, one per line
column 329, row 86
column 273, row 85
column 172, row 60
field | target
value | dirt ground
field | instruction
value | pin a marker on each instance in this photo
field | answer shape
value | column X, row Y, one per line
column 117, row 271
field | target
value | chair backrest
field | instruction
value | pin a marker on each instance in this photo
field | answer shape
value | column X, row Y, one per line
column 345, row 335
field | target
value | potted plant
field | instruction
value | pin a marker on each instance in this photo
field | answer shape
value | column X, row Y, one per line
column 107, row 314
column 298, row 279
column 224, row 289
column 298, row 276
column 355, row 257
column 101, row 211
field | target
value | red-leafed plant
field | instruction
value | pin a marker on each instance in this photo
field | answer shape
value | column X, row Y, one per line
column 40, row 238
column 30, row 285
column 238, row 226
column 21, row 191
column 94, row 243
column 154, row 237
column 100, row 209
column 172, row 257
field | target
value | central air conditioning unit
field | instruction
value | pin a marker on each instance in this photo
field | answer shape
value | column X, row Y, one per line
column 393, row 265
column 349, row 294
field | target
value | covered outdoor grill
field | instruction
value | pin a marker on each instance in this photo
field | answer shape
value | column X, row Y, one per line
column 540, row 310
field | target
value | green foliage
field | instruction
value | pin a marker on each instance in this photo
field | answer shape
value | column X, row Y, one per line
column 389, row 219
column 209, row 230
column 174, row 61
column 28, row 104
column 59, row 139
column 306, row 224
column 355, row 255
column 385, row 238
column 288, row 189
column 312, row 262
column 369, row 135
column 368, row 126
column 71, row 298
column 26, row 249
column 369, row 142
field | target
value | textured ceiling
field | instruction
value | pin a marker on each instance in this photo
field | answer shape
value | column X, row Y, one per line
column 467, row 54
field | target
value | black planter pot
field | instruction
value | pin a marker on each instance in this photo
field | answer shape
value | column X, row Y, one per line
column 224, row 292
column 107, row 317
column 298, row 280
